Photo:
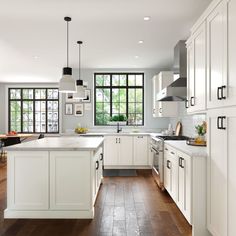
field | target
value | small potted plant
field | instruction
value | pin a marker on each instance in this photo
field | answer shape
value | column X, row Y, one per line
column 201, row 131
column 121, row 119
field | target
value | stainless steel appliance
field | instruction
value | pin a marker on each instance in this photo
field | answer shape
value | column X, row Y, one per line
column 157, row 149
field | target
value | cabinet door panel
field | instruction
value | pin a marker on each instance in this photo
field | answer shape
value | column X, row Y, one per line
column 231, row 81
column 140, row 150
column 29, row 180
column 126, row 150
column 200, row 69
column 70, row 180
column 216, row 50
column 111, row 151
column 217, row 176
column 231, row 141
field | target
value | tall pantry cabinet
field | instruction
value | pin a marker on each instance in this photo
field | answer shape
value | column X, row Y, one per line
column 218, row 26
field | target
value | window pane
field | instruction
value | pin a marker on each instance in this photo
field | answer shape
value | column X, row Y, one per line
column 123, row 81
column 139, row 108
column 139, row 80
column 115, row 95
column 15, row 93
column 115, row 80
column 131, row 95
column 99, row 80
column 99, row 107
column 131, row 80
column 139, row 95
column 27, row 93
column 106, row 80
column 122, row 95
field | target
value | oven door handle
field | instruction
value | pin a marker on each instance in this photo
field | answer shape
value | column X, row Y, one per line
column 154, row 150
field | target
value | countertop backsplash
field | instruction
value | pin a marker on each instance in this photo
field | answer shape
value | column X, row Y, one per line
column 188, row 121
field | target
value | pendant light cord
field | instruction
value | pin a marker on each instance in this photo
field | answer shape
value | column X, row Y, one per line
column 67, row 44
column 79, row 60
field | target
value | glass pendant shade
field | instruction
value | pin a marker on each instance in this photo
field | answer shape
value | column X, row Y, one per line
column 80, row 94
column 67, row 83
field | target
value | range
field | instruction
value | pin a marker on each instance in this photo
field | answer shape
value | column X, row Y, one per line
column 157, row 148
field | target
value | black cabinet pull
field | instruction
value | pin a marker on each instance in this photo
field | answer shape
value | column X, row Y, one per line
column 101, row 156
column 168, row 166
column 160, row 110
column 192, row 101
column 119, row 140
column 172, row 153
column 222, row 122
column 182, row 161
column 222, row 92
column 218, row 122
column 186, row 103
column 97, row 165
column 166, row 149
column 219, row 92
column 116, row 140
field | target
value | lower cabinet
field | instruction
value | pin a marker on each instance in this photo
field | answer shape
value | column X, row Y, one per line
column 177, row 179
column 221, row 191
column 53, row 184
column 184, row 179
column 28, row 184
column 126, row 151
column 68, row 190
column 140, row 150
column 171, row 172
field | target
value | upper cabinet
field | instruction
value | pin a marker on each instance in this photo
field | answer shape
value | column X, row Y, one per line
column 163, row 109
column 196, row 70
column 221, row 37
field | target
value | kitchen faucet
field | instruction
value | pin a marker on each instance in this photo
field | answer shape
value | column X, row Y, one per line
column 118, row 129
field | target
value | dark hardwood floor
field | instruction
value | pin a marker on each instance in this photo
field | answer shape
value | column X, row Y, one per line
column 125, row 206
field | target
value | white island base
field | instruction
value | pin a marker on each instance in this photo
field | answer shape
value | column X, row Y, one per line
column 53, row 183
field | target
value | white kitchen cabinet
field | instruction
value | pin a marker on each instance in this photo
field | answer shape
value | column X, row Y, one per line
column 184, row 184
column 217, row 56
column 196, row 70
column 118, row 151
column 163, row 109
column 126, row 150
column 111, row 151
column 140, row 150
column 221, row 171
column 28, row 184
column 67, row 188
column 171, row 166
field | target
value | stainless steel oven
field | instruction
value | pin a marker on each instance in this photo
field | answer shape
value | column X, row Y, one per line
column 156, row 148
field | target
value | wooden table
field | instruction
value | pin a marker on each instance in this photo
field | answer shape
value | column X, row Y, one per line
column 21, row 136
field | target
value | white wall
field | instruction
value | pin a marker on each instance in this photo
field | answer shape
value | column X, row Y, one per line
column 70, row 122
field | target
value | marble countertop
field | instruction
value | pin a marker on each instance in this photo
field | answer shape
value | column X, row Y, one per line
column 192, row 151
column 59, row 143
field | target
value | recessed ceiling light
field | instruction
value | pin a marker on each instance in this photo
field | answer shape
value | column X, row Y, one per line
column 136, row 57
column 140, row 42
column 146, row 18
column 36, row 57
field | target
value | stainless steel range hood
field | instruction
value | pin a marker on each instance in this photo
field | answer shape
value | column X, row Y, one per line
column 177, row 91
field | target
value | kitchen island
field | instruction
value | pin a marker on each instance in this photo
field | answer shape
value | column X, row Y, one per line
column 56, row 177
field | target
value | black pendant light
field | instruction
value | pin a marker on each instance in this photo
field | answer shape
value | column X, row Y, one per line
column 67, row 83
column 80, row 94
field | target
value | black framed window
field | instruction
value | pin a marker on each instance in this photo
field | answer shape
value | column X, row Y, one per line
column 33, row 110
column 119, row 94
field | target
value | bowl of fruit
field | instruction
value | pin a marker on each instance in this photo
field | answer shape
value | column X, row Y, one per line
column 80, row 130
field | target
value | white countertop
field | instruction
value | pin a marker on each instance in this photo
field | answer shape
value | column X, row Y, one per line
column 125, row 133
column 59, row 143
column 193, row 151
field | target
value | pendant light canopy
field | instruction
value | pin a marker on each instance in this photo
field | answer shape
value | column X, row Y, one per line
column 67, row 83
column 80, row 94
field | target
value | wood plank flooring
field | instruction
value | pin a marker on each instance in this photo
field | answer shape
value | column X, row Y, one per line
column 125, row 206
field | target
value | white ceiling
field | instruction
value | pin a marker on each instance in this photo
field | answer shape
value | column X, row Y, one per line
column 110, row 30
